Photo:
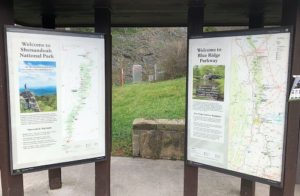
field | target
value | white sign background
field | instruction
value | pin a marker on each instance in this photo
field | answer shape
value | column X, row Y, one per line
column 243, row 132
column 69, row 68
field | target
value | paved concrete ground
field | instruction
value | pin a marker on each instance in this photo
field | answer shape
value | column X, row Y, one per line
column 138, row 177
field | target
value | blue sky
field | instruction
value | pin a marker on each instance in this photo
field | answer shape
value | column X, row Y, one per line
column 30, row 74
column 40, row 63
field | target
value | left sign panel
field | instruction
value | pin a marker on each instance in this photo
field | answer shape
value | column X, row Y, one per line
column 56, row 98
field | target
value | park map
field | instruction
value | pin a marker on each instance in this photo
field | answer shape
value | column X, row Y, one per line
column 257, row 104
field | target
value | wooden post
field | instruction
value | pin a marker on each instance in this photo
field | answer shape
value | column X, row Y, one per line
column 195, row 27
column 247, row 188
column 256, row 20
column 48, row 21
column 298, row 168
column 11, row 185
column 102, row 169
column 54, row 175
column 291, row 16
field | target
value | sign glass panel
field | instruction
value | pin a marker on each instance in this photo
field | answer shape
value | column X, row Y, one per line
column 237, row 102
column 57, row 97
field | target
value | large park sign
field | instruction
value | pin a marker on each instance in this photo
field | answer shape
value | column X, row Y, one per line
column 57, row 98
column 237, row 102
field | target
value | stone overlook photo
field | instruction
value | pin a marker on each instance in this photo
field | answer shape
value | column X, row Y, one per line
column 208, row 82
column 37, row 80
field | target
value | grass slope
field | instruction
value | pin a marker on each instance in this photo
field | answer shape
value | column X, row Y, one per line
column 146, row 100
column 47, row 103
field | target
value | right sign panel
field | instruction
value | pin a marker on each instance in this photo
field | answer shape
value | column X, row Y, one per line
column 237, row 102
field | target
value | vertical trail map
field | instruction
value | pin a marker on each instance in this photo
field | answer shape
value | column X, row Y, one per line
column 257, row 104
column 80, row 90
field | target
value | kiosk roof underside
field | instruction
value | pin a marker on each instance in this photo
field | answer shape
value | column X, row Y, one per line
column 146, row 12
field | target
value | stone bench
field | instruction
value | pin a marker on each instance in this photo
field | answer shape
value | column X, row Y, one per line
column 158, row 139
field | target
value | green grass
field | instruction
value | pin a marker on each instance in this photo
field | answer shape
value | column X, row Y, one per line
column 47, row 103
column 146, row 100
column 220, row 85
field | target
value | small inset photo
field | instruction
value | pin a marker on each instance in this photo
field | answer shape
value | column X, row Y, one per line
column 37, row 86
column 208, row 82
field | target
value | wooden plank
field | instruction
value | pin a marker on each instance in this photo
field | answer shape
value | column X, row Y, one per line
column 196, row 19
column 256, row 20
column 190, row 180
column 11, row 185
column 298, row 167
column 48, row 21
column 257, row 14
column 54, row 175
column 275, row 191
column 247, row 188
column 296, row 53
column 195, row 27
column 102, row 169
column 291, row 16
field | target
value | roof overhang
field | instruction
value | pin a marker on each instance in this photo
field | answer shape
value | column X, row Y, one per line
column 146, row 12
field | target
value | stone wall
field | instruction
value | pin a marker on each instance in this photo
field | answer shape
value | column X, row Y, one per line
column 158, row 139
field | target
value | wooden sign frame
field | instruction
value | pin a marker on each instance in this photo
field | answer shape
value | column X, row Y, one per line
column 257, row 31
column 58, row 33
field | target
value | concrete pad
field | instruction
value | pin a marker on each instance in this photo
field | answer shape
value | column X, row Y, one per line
column 137, row 177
